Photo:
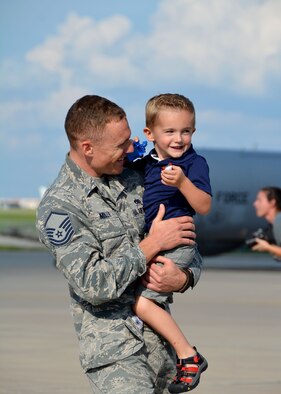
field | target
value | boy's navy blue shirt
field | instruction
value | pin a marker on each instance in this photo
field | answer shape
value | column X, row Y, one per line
column 194, row 166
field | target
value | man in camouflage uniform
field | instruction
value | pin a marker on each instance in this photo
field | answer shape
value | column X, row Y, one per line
column 92, row 220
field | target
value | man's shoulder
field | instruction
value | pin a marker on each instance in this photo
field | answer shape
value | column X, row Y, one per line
column 60, row 193
column 277, row 229
column 277, row 221
column 58, row 210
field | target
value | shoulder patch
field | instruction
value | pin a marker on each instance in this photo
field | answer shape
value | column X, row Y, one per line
column 58, row 228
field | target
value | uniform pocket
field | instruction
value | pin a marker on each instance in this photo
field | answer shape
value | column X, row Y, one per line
column 105, row 340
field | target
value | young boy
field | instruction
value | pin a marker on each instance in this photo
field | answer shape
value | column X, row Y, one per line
column 179, row 178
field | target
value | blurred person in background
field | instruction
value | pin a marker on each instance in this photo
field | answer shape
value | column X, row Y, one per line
column 268, row 206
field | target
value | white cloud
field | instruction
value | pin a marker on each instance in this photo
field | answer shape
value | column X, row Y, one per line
column 215, row 42
column 25, row 119
column 229, row 45
column 53, row 108
column 218, row 41
column 81, row 46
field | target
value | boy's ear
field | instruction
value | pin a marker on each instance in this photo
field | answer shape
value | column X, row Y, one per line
column 194, row 130
column 149, row 134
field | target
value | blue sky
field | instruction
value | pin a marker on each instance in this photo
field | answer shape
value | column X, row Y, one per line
column 224, row 55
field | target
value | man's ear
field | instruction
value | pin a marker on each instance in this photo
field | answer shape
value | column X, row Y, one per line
column 194, row 131
column 87, row 147
column 149, row 134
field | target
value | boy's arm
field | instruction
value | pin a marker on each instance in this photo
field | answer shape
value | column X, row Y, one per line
column 199, row 200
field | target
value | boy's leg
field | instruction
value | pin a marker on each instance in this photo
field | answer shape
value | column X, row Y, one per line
column 190, row 367
column 164, row 324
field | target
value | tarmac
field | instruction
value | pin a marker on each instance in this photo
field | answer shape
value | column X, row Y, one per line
column 233, row 317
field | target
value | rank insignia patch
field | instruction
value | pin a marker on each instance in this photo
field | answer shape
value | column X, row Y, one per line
column 59, row 228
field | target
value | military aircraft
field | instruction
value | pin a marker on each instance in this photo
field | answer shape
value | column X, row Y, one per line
column 236, row 177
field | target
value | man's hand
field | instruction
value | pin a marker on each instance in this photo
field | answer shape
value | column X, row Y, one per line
column 261, row 245
column 167, row 234
column 172, row 232
column 163, row 278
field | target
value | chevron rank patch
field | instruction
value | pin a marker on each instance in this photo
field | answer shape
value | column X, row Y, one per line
column 59, row 228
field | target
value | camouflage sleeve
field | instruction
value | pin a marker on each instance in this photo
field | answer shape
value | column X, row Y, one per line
column 99, row 265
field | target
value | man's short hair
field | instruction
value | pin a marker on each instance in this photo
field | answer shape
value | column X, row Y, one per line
column 88, row 116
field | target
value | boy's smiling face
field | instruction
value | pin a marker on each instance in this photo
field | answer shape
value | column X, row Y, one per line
column 171, row 133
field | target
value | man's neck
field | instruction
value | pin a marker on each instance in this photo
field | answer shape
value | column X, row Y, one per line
column 82, row 163
column 270, row 217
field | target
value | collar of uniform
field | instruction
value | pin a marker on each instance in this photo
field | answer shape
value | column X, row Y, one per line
column 91, row 183
column 88, row 182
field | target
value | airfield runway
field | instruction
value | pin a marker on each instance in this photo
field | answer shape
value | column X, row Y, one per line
column 233, row 317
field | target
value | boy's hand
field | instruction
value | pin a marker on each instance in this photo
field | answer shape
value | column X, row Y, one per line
column 172, row 176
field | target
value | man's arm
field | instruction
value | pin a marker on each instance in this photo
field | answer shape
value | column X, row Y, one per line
column 100, row 270
column 264, row 246
column 96, row 257
column 168, row 277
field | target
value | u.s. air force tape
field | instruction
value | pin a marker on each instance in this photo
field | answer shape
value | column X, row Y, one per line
column 58, row 228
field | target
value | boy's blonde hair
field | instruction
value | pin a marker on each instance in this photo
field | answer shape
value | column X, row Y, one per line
column 167, row 100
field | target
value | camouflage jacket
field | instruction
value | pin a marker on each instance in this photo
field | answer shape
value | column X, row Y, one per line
column 93, row 227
